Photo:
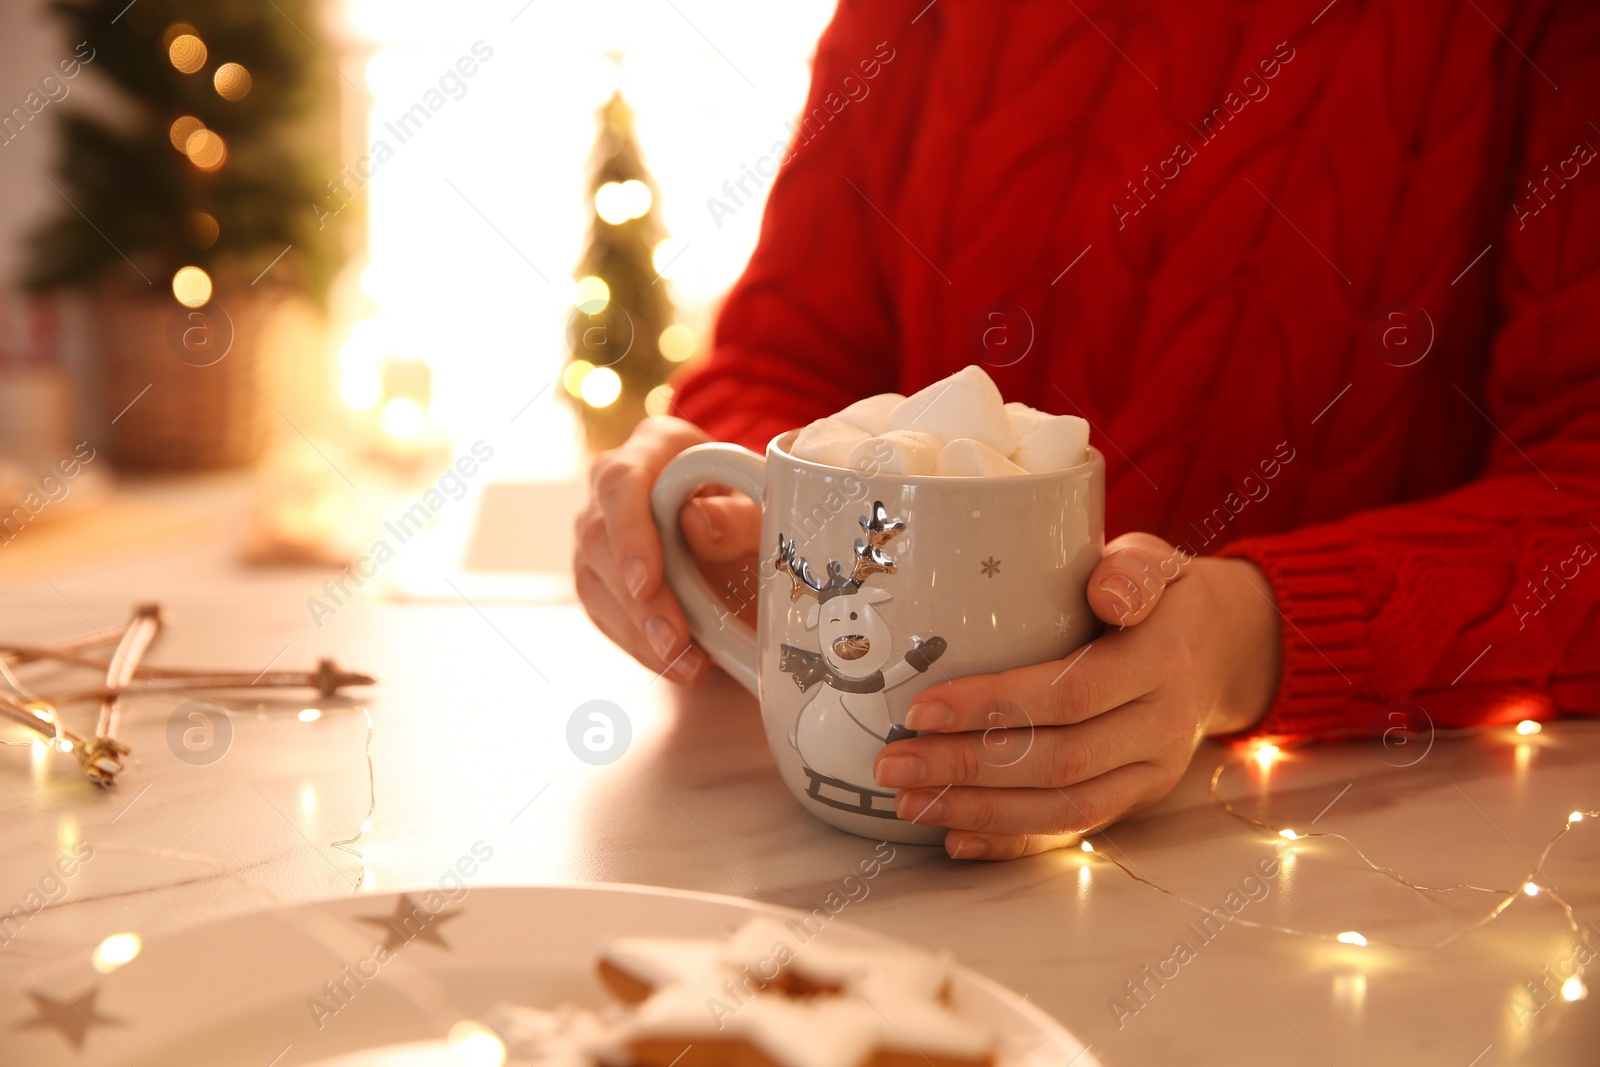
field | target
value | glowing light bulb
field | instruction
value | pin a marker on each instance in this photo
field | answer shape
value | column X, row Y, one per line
column 402, row 417
column 1086, row 846
column 1530, row 888
column 192, row 287
column 309, row 714
column 1576, row 816
column 600, row 387
column 1266, row 754
column 1573, row 989
column 1288, row 835
column 366, row 826
column 617, row 202
column 65, row 745
column 114, row 951
column 1350, row 937
column 1528, row 726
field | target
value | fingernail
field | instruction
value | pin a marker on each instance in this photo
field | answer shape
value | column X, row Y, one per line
column 659, row 632
column 901, row 769
column 933, row 715
column 919, row 807
column 713, row 523
column 635, row 574
column 688, row 665
column 969, row 848
column 1122, row 587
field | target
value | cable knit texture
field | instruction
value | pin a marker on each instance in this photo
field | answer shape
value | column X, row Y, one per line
column 1327, row 293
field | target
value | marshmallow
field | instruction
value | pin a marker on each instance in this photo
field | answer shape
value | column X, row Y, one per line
column 1023, row 417
column 1054, row 443
column 872, row 414
column 964, row 405
column 967, row 458
column 897, row 452
column 828, row 441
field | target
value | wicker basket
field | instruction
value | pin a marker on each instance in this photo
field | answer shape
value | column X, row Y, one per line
column 178, row 386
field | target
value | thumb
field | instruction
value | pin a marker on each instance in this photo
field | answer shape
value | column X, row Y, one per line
column 1131, row 576
column 719, row 529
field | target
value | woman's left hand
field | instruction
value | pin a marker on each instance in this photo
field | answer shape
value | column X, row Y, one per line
column 1035, row 758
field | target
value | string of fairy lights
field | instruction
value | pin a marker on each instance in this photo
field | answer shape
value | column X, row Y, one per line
column 1534, row 886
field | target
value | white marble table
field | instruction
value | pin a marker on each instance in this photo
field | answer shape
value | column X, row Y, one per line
column 470, row 743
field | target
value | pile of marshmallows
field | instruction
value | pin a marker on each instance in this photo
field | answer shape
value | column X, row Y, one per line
column 958, row 427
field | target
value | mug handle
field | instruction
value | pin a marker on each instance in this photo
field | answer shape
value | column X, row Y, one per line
column 729, row 643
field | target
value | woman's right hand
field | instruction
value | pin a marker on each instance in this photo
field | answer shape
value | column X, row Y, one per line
column 616, row 562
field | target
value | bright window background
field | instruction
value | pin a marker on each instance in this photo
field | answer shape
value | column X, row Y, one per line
column 491, row 193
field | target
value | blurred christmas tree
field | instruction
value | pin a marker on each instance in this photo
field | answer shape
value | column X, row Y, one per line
column 227, row 145
column 622, row 306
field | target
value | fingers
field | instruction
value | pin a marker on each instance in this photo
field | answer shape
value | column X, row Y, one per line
column 1104, row 674
column 1065, row 813
column 720, row 529
column 965, row 845
column 1130, row 577
column 618, row 619
column 620, row 484
column 1024, row 757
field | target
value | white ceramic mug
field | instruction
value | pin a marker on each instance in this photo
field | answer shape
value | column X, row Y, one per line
column 873, row 586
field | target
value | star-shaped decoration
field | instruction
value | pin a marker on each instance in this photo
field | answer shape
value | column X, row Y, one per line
column 73, row 1020
column 1063, row 625
column 411, row 922
column 991, row 567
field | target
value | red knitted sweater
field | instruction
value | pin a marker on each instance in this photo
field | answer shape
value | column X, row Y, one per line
column 1325, row 286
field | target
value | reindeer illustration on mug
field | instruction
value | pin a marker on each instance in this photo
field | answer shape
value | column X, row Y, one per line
column 840, row 730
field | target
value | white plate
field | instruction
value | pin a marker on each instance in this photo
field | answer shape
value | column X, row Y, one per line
column 240, row 993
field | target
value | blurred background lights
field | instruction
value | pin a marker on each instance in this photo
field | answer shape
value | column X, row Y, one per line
column 403, row 417
column 200, row 229
column 668, row 257
column 676, row 343
column 574, row 373
column 192, row 286
column 205, row 149
column 600, row 387
column 1350, row 937
column 231, row 81
column 310, row 714
column 1573, row 989
column 1266, row 754
column 593, row 294
column 183, row 127
column 617, row 202
column 187, row 52
column 114, row 951
column 476, row 1046
column 1528, row 726
column 658, row 401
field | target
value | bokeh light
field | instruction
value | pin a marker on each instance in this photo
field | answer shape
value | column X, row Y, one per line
column 114, row 951
column 572, row 377
column 476, row 1046
column 617, row 202
column 593, row 294
column 676, row 343
column 192, row 286
column 658, row 401
column 205, row 150
column 183, row 127
column 200, row 229
column 600, row 387
column 232, row 81
column 668, row 257
column 187, row 52
column 403, row 417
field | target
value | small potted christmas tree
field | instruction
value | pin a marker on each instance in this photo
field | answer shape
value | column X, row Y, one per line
column 188, row 214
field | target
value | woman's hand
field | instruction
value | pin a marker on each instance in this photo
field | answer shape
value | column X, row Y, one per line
column 1033, row 759
column 616, row 562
